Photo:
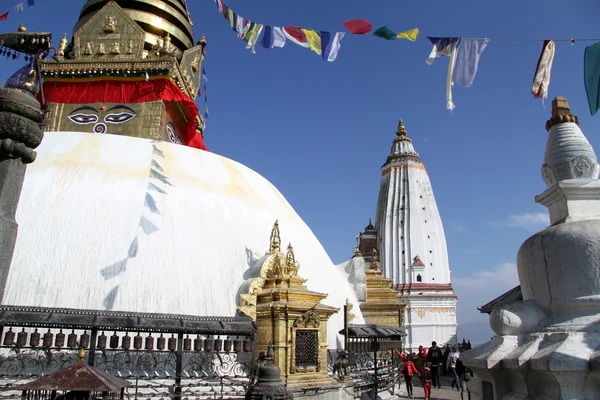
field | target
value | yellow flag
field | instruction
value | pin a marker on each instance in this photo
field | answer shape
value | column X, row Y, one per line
column 410, row 35
column 230, row 16
column 252, row 36
column 313, row 39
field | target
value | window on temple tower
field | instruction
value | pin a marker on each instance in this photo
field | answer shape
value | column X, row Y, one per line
column 307, row 348
column 419, row 278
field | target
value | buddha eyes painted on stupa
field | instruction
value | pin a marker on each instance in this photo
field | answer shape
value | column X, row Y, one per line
column 90, row 115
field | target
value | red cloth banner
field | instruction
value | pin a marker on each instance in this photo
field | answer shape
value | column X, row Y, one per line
column 358, row 26
column 124, row 92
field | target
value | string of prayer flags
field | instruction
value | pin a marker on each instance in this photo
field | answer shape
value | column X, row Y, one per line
column 19, row 8
column 252, row 36
column 385, row 33
column 330, row 46
column 541, row 78
column 273, row 37
column 358, row 26
column 591, row 76
column 411, row 34
column 446, row 47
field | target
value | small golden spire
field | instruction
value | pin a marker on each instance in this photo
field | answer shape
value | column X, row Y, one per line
column 202, row 40
column 275, row 240
column 81, row 354
column 290, row 257
column 401, row 132
column 374, row 260
column 356, row 249
column 21, row 28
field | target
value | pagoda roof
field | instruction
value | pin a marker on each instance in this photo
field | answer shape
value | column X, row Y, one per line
column 81, row 377
column 515, row 294
column 374, row 331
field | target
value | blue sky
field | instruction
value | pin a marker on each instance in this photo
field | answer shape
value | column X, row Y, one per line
column 321, row 131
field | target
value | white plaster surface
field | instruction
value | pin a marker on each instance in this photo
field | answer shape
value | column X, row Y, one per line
column 409, row 225
column 113, row 222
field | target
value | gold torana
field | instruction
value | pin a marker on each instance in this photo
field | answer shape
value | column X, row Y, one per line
column 156, row 17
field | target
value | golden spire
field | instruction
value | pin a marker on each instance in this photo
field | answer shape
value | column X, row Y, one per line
column 21, row 28
column 374, row 260
column 291, row 264
column 275, row 240
column 401, row 132
column 356, row 249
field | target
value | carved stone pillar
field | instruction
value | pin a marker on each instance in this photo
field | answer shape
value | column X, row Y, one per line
column 20, row 133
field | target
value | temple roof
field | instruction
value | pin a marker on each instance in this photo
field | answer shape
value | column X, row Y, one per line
column 155, row 17
column 80, row 377
column 514, row 294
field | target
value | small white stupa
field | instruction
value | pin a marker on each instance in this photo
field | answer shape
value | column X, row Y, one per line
column 547, row 346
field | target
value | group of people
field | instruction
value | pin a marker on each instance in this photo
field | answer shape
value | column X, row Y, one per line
column 429, row 364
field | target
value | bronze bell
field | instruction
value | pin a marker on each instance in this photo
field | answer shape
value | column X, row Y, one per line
column 84, row 340
column 150, row 342
column 60, row 339
column 22, row 338
column 228, row 343
column 218, row 344
column 34, row 340
column 137, row 341
column 126, row 342
column 187, row 343
column 72, row 340
column 48, row 336
column 102, row 341
column 172, row 345
column 114, row 341
column 160, row 343
column 9, row 338
column 197, row 344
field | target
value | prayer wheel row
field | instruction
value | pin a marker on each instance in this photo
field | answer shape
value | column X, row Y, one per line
column 124, row 342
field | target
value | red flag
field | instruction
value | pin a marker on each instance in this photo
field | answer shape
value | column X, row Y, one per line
column 358, row 26
column 4, row 16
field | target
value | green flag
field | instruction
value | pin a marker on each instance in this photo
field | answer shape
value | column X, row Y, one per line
column 385, row 33
column 591, row 75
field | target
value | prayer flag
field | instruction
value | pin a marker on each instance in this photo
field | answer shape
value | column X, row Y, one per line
column 296, row 35
column 230, row 16
column 252, row 37
column 410, row 34
column 19, row 8
column 541, row 78
column 313, row 39
column 30, row 3
column 330, row 47
column 273, row 37
column 591, row 76
column 385, row 33
column 4, row 16
column 467, row 59
column 441, row 46
column 204, row 74
column 358, row 26
column 221, row 6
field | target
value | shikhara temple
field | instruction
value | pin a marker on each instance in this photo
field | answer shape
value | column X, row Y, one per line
column 146, row 256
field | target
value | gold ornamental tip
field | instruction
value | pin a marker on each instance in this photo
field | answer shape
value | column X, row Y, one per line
column 275, row 239
column 374, row 259
column 21, row 28
column 401, row 132
column 81, row 353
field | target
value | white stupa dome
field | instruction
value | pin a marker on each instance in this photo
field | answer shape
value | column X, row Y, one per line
column 121, row 223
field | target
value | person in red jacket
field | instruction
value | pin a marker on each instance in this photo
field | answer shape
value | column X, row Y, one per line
column 426, row 381
column 408, row 370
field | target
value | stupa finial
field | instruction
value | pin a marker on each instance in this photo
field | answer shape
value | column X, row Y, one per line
column 275, row 240
column 401, row 132
column 561, row 113
column 356, row 249
column 374, row 260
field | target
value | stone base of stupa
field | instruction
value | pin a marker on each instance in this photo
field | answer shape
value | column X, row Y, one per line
column 561, row 361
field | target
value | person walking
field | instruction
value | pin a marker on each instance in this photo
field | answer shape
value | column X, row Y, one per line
column 435, row 357
column 426, row 382
column 408, row 371
column 465, row 374
column 453, row 357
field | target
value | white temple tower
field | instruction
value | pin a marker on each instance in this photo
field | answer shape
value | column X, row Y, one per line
column 412, row 246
